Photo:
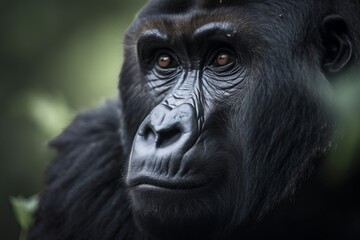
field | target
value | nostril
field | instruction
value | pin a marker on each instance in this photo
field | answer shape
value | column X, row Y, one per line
column 165, row 127
column 149, row 134
column 168, row 137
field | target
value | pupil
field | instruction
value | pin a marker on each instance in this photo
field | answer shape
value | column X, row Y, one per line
column 222, row 59
column 164, row 61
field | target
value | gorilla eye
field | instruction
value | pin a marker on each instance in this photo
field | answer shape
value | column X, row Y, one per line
column 222, row 59
column 165, row 65
column 165, row 60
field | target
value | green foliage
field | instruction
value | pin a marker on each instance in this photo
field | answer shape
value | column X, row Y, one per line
column 58, row 57
column 49, row 113
column 24, row 209
column 347, row 108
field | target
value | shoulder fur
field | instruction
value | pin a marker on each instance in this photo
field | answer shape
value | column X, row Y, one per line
column 84, row 196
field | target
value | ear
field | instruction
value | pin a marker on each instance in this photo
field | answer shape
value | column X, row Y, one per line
column 338, row 48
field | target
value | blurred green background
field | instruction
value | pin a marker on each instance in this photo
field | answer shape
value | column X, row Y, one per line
column 56, row 57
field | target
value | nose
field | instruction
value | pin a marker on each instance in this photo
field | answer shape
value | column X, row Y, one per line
column 172, row 129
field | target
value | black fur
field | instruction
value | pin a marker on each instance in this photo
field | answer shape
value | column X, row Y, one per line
column 270, row 135
column 84, row 191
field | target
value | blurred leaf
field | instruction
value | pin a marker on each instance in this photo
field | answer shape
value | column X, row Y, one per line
column 50, row 113
column 344, row 159
column 24, row 209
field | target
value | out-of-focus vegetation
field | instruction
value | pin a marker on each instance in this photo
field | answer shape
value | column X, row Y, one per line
column 345, row 161
column 56, row 57
column 24, row 210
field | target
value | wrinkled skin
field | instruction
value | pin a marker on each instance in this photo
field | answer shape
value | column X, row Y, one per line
column 223, row 114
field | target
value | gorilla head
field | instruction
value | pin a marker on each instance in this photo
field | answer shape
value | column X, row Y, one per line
column 225, row 109
column 226, row 104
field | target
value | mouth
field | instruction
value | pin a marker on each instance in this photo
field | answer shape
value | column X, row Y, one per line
column 166, row 183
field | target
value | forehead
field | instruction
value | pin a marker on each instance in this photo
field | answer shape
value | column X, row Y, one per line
column 180, row 14
column 184, row 5
column 191, row 23
column 194, row 22
column 193, row 30
column 268, row 19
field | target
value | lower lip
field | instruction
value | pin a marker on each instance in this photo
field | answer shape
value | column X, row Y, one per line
column 154, row 188
column 154, row 194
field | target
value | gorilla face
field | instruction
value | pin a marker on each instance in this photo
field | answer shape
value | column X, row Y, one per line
column 227, row 109
column 179, row 173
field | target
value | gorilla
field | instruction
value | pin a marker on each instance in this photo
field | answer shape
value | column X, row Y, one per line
column 223, row 120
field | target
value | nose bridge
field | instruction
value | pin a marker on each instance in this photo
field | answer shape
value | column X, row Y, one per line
column 181, row 118
column 175, row 122
column 171, row 128
column 185, row 90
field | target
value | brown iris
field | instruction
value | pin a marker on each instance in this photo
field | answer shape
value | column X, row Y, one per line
column 164, row 61
column 222, row 59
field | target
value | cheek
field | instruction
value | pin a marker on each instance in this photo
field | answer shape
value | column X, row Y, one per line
column 138, row 104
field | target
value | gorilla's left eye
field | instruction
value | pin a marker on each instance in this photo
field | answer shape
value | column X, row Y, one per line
column 164, row 61
column 223, row 58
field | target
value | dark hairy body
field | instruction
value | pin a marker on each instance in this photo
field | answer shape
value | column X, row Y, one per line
column 219, row 132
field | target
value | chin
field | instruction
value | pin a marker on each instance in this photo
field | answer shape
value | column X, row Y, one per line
column 185, row 213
